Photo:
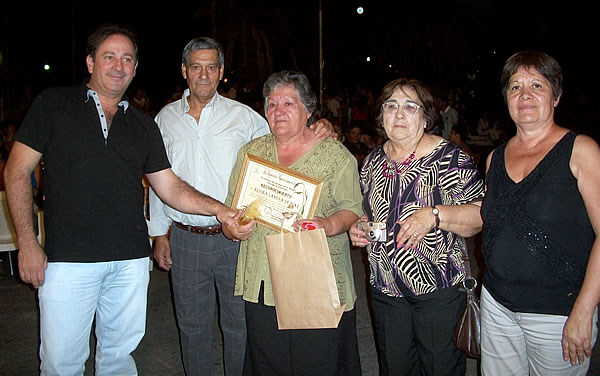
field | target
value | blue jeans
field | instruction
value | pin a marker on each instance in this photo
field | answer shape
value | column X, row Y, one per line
column 73, row 293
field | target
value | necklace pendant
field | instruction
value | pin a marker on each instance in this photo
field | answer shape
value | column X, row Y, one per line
column 392, row 170
column 388, row 171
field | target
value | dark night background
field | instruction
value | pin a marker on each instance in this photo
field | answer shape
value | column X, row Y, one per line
column 446, row 44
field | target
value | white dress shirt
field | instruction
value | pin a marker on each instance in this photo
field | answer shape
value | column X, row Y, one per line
column 202, row 153
column 450, row 119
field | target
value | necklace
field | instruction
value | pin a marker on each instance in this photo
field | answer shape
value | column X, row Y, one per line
column 391, row 169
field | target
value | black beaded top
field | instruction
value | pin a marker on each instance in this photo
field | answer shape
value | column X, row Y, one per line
column 536, row 236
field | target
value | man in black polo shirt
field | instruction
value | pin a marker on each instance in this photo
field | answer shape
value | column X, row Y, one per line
column 95, row 261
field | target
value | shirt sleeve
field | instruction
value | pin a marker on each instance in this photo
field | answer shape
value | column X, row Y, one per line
column 461, row 179
column 159, row 222
column 235, row 173
column 347, row 190
column 157, row 154
column 261, row 127
column 35, row 129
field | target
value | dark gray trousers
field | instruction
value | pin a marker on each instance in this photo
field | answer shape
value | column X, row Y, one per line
column 203, row 268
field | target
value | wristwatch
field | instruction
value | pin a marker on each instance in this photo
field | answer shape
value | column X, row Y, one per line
column 436, row 213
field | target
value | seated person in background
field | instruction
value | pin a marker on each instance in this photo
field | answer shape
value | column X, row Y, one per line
column 367, row 139
column 353, row 143
column 458, row 134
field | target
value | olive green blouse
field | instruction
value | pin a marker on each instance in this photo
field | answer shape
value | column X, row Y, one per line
column 330, row 162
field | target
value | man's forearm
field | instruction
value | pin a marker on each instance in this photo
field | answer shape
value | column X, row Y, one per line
column 189, row 200
column 20, row 203
column 183, row 197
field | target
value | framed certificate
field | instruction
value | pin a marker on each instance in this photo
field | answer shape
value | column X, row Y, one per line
column 281, row 194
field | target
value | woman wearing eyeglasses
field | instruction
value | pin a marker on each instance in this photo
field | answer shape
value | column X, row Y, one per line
column 428, row 194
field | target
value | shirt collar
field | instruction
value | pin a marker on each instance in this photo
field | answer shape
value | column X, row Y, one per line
column 210, row 106
column 91, row 93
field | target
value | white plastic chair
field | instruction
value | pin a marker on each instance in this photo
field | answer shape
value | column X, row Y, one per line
column 8, row 237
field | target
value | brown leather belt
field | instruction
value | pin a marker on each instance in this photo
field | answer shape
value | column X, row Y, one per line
column 208, row 230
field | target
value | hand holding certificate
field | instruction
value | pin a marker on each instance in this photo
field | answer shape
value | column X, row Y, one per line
column 273, row 195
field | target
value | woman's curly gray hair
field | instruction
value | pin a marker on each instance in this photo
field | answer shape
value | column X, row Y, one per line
column 299, row 81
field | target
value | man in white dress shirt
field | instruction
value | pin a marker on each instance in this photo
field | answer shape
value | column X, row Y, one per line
column 449, row 117
column 202, row 133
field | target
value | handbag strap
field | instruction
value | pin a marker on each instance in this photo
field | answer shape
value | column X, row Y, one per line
column 470, row 283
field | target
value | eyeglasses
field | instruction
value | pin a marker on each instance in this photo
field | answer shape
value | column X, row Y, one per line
column 409, row 108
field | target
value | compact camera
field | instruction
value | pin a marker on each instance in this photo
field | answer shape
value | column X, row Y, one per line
column 374, row 231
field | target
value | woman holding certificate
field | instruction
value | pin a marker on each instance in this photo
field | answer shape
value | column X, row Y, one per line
column 290, row 107
column 423, row 193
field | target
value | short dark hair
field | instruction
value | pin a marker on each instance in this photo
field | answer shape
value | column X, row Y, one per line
column 425, row 97
column 104, row 32
column 545, row 64
column 202, row 43
column 300, row 82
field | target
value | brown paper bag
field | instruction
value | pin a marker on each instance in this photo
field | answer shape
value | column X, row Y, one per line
column 306, row 295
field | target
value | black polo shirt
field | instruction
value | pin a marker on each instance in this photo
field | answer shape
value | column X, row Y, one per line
column 93, row 208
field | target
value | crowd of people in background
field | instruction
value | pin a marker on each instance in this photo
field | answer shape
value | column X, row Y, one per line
column 352, row 111
column 355, row 106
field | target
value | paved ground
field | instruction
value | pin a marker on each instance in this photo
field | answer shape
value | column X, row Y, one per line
column 158, row 353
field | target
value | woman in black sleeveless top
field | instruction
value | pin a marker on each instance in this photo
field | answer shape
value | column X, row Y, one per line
column 541, row 286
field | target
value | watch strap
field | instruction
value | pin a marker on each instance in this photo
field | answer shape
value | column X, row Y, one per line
column 436, row 214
